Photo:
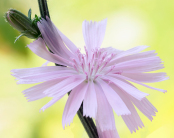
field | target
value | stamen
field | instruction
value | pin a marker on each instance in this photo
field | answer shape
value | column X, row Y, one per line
column 109, row 82
column 75, row 68
column 92, row 60
column 83, row 59
column 112, row 56
column 85, row 48
column 86, row 52
column 75, row 62
column 89, row 66
column 98, row 61
column 104, row 56
column 96, row 69
column 92, row 56
column 99, row 54
column 95, row 53
column 86, row 75
column 110, row 70
column 119, row 72
column 107, row 61
column 96, row 76
column 82, row 65
column 79, row 56
column 104, row 66
column 91, row 71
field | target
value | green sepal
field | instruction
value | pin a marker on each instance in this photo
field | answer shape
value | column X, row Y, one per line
column 23, row 24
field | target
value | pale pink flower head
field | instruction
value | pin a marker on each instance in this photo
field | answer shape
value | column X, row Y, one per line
column 100, row 78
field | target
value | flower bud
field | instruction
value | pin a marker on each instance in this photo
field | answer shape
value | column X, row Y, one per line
column 23, row 24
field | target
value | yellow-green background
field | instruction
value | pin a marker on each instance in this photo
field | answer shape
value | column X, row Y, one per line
column 130, row 23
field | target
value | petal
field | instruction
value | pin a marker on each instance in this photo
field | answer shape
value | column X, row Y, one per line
column 129, row 79
column 21, row 73
column 65, row 86
column 68, row 42
column 114, row 99
column 93, row 33
column 110, row 50
column 73, row 103
column 90, row 101
column 36, row 92
column 41, row 74
column 105, row 117
column 145, row 107
column 53, row 101
column 131, row 51
column 39, row 48
column 126, row 87
column 107, row 133
column 52, row 38
column 133, row 57
column 46, row 63
column 139, row 65
column 72, row 48
column 133, row 120
column 146, row 77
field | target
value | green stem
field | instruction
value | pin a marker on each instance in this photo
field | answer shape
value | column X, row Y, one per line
column 88, row 123
column 43, row 8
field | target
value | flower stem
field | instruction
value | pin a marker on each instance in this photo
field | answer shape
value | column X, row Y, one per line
column 87, row 122
column 43, row 8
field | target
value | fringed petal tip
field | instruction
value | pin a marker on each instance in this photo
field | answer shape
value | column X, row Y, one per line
column 145, row 46
column 92, row 22
column 127, row 113
column 164, row 91
column 136, row 128
column 107, row 129
column 35, row 42
column 93, row 33
column 89, row 115
column 13, row 75
column 41, row 110
column 145, row 95
column 13, row 70
column 142, row 47
column 45, row 64
column 65, row 124
column 28, row 100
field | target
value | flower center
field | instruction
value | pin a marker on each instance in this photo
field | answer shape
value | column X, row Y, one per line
column 93, row 64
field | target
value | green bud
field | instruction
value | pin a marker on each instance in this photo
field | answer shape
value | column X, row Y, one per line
column 23, row 24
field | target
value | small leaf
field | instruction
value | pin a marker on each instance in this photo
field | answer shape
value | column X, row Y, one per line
column 29, row 14
column 18, row 37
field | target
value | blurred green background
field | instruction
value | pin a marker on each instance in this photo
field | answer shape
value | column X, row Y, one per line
column 130, row 23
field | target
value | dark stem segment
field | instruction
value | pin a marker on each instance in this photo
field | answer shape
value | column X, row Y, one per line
column 87, row 122
column 43, row 8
